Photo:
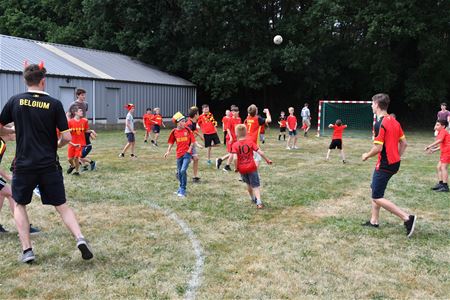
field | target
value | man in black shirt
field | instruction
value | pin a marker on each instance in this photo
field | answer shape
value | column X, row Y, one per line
column 36, row 118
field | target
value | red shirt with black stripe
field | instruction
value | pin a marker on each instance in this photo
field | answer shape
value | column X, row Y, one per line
column 184, row 138
column 388, row 132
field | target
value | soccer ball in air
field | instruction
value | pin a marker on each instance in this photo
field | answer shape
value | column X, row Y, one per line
column 278, row 39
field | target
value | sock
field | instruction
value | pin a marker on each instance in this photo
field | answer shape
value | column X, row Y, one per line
column 258, row 201
column 27, row 250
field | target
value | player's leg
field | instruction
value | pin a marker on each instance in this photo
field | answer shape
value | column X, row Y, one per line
column 444, row 176
column 328, row 154
column 186, row 159
column 288, row 143
column 375, row 215
column 255, row 184
column 195, row 160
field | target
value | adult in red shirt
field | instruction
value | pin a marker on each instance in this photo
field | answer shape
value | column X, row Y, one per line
column 225, row 121
column 208, row 125
column 147, row 122
column 185, row 140
column 389, row 144
column 243, row 152
column 442, row 139
column 336, row 139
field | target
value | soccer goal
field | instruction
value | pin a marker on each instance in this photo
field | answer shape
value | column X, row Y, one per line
column 357, row 115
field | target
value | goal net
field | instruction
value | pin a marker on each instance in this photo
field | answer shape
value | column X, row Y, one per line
column 357, row 115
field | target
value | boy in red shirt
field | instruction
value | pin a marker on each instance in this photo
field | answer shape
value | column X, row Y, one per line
column 243, row 150
column 78, row 127
column 185, row 140
column 157, row 123
column 291, row 123
column 442, row 139
column 208, row 125
column 336, row 139
column 191, row 123
column 225, row 121
column 282, row 123
column 147, row 121
column 231, row 138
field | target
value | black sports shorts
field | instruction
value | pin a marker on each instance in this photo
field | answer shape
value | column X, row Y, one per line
column 337, row 143
column 211, row 139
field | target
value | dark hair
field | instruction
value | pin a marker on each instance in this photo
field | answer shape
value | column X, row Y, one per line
column 193, row 111
column 282, row 112
column 73, row 110
column 338, row 122
column 444, row 104
column 306, row 104
column 234, row 108
column 148, row 109
column 382, row 100
column 79, row 92
column 205, row 105
column 443, row 122
column 33, row 74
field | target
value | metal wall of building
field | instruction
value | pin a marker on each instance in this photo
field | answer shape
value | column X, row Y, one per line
column 110, row 96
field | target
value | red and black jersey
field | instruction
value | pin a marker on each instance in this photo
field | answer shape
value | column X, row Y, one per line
column 36, row 115
column 2, row 148
column 388, row 133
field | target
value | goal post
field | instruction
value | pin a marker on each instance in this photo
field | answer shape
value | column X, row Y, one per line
column 357, row 115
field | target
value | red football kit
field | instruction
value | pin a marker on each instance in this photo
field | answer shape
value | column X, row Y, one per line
column 184, row 138
column 338, row 131
column 444, row 136
column 77, row 130
column 244, row 150
column 147, row 118
column 157, row 119
column 225, row 121
column 292, row 122
column 388, row 133
column 207, row 123
column 233, row 122
column 253, row 125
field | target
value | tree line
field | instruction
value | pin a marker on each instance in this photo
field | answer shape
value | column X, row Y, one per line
column 332, row 49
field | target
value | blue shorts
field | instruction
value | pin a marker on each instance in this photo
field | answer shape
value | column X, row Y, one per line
column 156, row 128
column 86, row 150
column 130, row 137
column 293, row 132
column 51, row 186
column 380, row 180
column 252, row 179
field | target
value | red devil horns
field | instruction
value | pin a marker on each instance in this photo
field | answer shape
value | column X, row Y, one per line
column 129, row 106
column 41, row 65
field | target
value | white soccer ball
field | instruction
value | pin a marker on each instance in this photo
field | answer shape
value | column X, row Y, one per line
column 278, row 39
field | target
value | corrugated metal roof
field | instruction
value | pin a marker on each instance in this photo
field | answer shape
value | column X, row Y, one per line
column 80, row 62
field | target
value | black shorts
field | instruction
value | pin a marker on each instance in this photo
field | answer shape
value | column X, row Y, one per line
column 336, row 144
column 130, row 137
column 380, row 180
column 210, row 138
column 51, row 186
column 156, row 128
column 86, row 150
column 282, row 129
column 2, row 183
column 293, row 132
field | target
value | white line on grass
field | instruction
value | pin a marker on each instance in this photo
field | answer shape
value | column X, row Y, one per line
column 195, row 280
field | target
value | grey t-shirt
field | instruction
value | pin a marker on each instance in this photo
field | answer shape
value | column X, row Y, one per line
column 130, row 120
column 305, row 113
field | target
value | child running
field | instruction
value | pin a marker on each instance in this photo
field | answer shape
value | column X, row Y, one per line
column 192, row 125
column 253, row 124
column 208, row 125
column 292, row 129
column 185, row 140
column 336, row 139
column 157, row 123
column 442, row 139
column 78, row 127
column 147, row 121
column 282, row 123
column 243, row 152
column 225, row 120
column 129, row 131
column 231, row 138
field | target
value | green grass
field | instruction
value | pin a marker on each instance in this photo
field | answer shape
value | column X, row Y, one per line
column 308, row 242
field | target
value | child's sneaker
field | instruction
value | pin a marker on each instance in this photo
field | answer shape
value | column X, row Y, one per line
column 443, row 188
column 227, row 168
column 28, row 257
column 85, row 168
column 410, row 224
column 437, row 186
column 370, row 224
column 145, row 141
column 344, row 162
column 218, row 163
column 76, row 173
column 83, row 246
column 196, row 179
column 122, row 155
column 34, row 230
column 288, row 148
column 93, row 165
column 208, row 162
column 70, row 169
column 2, row 229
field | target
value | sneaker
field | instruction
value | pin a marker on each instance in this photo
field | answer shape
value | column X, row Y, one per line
column 85, row 168
column 76, row 173
column 145, row 141
column 122, row 155
column 28, row 257
column 260, row 206
column 152, row 141
column 305, row 134
column 409, row 225
column 70, row 169
column 254, row 200
column 295, row 147
column 437, row 187
column 443, row 188
column 227, row 168
column 133, row 156
column 34, row 230
column 83, row 246
column 208, row 162
column 288, row 148
column 2, row 229
column 181, row 195
column 93, row 165
column 370, row 224
column 218, row 163
column 37, row 191
column 155, row 144
column 196, row 179
column 344, row 162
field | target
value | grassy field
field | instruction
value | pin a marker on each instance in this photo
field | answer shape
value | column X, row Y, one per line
column 306, row 243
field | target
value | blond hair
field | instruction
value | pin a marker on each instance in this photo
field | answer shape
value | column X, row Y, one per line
column 252, row 110
column 241, row 131
column 290, row 109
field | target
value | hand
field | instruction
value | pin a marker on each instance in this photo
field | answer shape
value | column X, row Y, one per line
column 427, row 148
column 77, row 145
column 8, row 177
column 93, row 135
column 265, row 110
column 269, row 162
column 166, row 154
column 364, row 157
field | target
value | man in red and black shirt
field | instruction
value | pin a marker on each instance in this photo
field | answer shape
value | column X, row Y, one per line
column 389, row 144
column 36, row 115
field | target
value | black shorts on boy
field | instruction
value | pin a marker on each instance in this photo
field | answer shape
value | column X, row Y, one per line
column 336, row 143
column 156, row 128
column 211, row 139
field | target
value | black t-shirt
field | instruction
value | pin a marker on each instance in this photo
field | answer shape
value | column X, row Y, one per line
column 36, row 117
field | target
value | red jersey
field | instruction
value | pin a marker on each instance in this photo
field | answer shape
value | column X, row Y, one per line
column 184, row 138
column 225, row 121
column 253, row 125
column 282, row 122
column 292, row 122
column 232, row 123
column 338, row 131
column 207, row 123
column 262, row 129
column 244, row 150
column 78, row 129
column 444, row 136
column 157, row 119
column 147, row 118
column 388, row 133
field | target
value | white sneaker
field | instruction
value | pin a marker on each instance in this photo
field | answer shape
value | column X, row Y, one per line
column 288, row 148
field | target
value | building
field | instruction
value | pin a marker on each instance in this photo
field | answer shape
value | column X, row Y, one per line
column 111, row 80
